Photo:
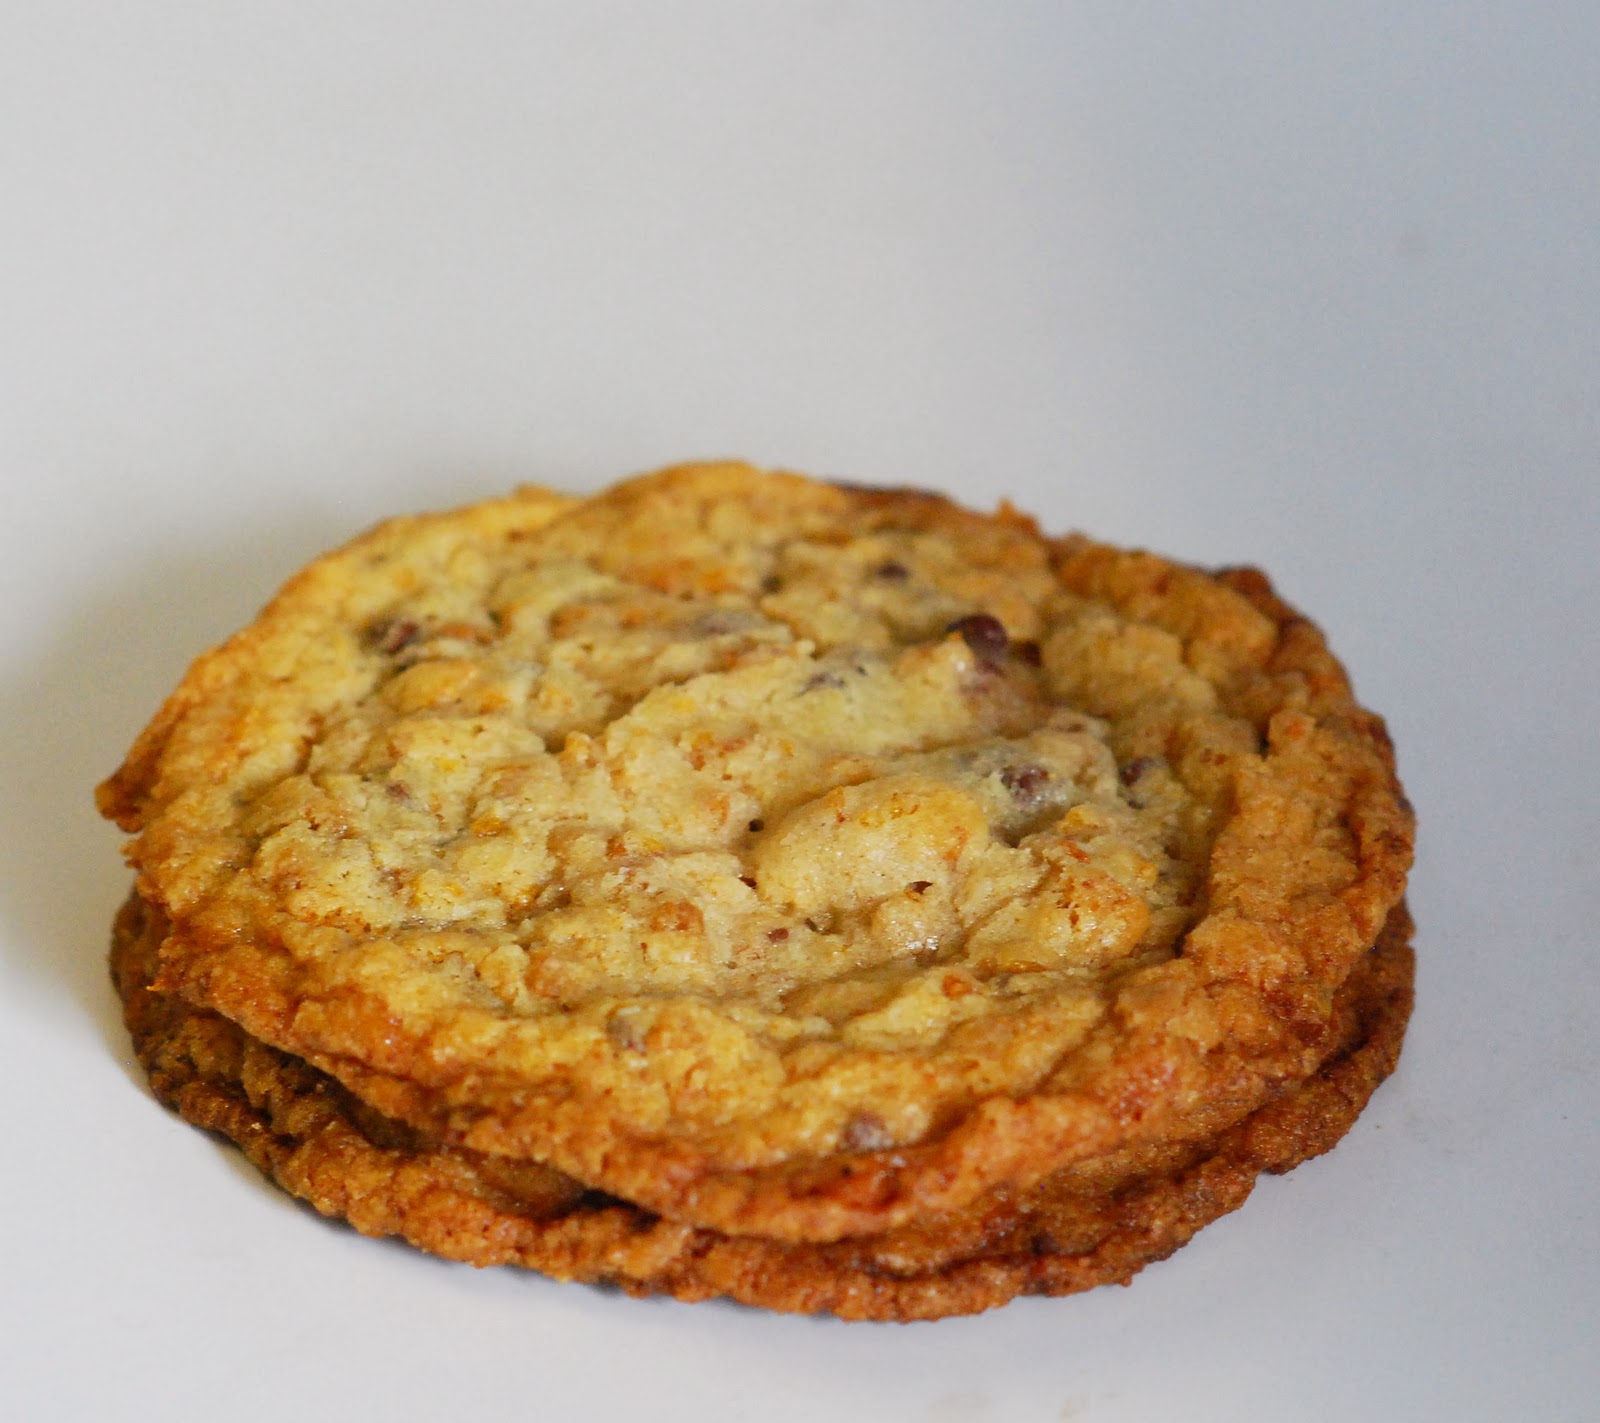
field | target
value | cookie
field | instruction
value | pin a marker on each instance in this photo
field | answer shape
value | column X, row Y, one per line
column 786, row 859
column 322, row 1144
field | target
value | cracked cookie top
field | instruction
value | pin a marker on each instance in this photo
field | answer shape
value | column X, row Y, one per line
column 781, row 855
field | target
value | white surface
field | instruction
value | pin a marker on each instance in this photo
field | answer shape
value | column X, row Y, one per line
column 1311, row 286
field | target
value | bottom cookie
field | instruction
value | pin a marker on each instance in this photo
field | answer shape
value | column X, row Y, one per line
column 324, row 1145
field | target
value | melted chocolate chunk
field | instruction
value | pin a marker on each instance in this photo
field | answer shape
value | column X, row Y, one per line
column 392, row 635
column 625, row 1033
column 1136, row 768
column 1024, row 782
column 1134, row 772
column 891, row 491
column 820, row 680
column 985, row 634
column 721, row 621
column 865, row 1131
column 892, row 572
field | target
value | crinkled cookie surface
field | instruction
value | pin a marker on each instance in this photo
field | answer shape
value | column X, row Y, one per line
column 784, row 857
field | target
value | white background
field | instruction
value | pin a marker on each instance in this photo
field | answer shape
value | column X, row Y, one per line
column 1315, row 287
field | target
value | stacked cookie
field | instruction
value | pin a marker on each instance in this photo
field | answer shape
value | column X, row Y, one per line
column 740, row 885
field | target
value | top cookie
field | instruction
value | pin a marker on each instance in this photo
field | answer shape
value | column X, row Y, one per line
column 784, row 857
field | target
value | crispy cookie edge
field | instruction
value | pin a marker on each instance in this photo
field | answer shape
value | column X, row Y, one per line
column 1151, row 1080
column 303, row 1131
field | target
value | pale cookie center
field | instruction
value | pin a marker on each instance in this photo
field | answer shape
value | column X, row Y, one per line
column 876, row 819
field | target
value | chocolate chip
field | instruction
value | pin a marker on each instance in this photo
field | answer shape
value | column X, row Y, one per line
column 747, row 881
column 1029, row 652
column 1134, row 772
column 624, row 1033
column 892, row 491
column 892, row 572
column 777, row 935
column 918, row 886
column 1024, row 782
column 1136, row 768
column 391, row 635
column 756, row 826
column 866, row 1131
column 985, row 634
column 719, row 622
column 820, row 680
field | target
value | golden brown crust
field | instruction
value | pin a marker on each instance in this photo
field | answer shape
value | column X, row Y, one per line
column 461, row 820
column 318, row 1142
